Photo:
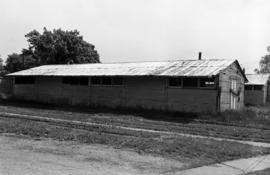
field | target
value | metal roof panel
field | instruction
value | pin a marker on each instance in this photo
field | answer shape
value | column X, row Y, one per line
column 257, row 79
column 159, row 68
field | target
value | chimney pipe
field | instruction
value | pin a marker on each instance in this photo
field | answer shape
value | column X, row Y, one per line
column 200, row 56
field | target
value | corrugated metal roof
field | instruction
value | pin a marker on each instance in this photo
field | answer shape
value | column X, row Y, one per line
column 257, row 79
column 161, row 68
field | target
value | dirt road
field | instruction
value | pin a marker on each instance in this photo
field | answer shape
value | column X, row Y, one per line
column 21, row 155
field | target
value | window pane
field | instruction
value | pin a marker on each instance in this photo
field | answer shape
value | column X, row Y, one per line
column 24, row 80
column 95, row 80
column 175, row 82
column 258, row 87
column 117, row 80
column 190, row 82
column 106, row 81
column 65, row 80
column 74, row 80
column 233, row 85
column 248, row 87
column 207, row 82
column 84, row 81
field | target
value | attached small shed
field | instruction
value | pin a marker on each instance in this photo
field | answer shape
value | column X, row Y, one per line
column 181, row 85
column 5, row 87
column 257, row 89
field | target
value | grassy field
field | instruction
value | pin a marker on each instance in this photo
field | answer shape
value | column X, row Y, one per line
column 251, row 124
column 263, row 172
column 194, row 152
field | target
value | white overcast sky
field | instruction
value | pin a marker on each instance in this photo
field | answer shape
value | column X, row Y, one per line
column 147, row 30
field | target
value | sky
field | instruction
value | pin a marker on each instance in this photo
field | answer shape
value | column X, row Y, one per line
column 146, row 30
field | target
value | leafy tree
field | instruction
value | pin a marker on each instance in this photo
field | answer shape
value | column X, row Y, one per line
column 52, row 47
column 2, row 70
column 16, row 62
column 264, row 65
column 60, row 47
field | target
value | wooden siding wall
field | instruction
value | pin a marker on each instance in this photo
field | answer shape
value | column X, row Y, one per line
column 138, row 92
column 255, row 97
column 232, row 72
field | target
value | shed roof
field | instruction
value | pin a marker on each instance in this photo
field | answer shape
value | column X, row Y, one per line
column 257, row 79
column 159, row 68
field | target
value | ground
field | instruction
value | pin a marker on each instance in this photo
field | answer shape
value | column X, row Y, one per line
column 23, row 155
column 110, row 144
column 252, row 124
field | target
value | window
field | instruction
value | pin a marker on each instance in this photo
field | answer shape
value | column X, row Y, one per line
column 84, row 81
column 248, row 87
column 96, row 80
column 75, row 81
column 190, row 82
column 207, row 82
column 258, row 87
column 233, row 84
column 107, row 81
column 24, row 80
column 176, row 82
column 117, row 80
column 65, row 80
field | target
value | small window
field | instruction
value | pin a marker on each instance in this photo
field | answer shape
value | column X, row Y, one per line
column 117, row 80
column 175, row 82
column 96, row 80
column 74, row 81
column 84, row 81
column 65, row 80
column 24, row 80
column 190, row 82
column 107, row 81
column 248, row 87
column 258, row 87
column 207, row 82
column 233, row 84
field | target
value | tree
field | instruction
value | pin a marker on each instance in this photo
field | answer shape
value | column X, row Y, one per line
column 2, row 70
column 52, row 47
column 60, row 47
column 16, row 62
column 264, row 65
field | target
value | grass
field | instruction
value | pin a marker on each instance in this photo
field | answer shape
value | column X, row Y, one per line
column 250, row 116
column 263, row 172
column 194, row 152
column 171, row 122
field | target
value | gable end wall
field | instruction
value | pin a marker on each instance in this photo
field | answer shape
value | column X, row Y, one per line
column 232, row 72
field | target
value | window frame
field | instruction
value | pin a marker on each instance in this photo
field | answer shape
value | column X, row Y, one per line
column 233, row 84
column 117, row 77
column 208, row 87
column 261, row 88
column 74, row 80
column 112, row 80
column 96, row 84
column 191, row 87
column 251, row 89
column 108, row 78
column 180, row 79
column 20, row 82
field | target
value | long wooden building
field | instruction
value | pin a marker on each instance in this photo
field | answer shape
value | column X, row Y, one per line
column 180, row 85
column 257, row 89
